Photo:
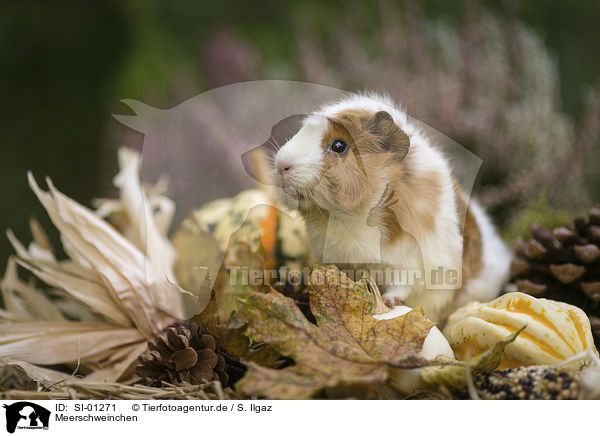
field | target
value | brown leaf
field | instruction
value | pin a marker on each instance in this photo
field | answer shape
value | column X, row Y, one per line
column 347, row 347
column 233, row 281
column 265, row 355
column 219, row 317
column 197, row 263
column 234, row 340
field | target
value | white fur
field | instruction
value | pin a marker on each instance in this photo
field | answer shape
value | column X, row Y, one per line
column 350, row 240
column 303, row 152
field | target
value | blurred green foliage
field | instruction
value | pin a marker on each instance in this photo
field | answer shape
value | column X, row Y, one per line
column 64, row 65
column 541, row 213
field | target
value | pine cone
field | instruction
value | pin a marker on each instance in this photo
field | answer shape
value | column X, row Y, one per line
column 187, row 353
column 563, row 264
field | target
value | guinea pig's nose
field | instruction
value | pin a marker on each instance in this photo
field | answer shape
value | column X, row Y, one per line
column 284, row 167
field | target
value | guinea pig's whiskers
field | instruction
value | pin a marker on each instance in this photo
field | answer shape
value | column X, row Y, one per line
column 312, row 204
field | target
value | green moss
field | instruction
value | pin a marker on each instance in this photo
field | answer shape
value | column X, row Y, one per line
column 540, row 212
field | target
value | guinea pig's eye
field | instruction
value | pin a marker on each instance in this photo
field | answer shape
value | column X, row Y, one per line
column 338, row 146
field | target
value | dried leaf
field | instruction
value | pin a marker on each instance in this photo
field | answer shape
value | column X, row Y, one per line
column 126, row 209
column 40, row 238
column 221, row 315
column 118, row 286
column 197, row 262
column 265, row 355
column 347, row 347
column 233, row 281
column 121, row 367
column 22, row 301
column 146, row 234
column 123, row 269
column 233, row 340
column 90, row 293
column 228, row 235
column 51, row 343
column 44, row 376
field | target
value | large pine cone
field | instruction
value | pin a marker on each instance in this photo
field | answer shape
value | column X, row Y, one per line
column 187, row 353
column 563, row 264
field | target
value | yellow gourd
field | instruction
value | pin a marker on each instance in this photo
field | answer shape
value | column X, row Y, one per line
column 555, row 331
column 251, row 217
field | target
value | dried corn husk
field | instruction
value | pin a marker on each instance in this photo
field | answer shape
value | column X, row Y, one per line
column 119, row 287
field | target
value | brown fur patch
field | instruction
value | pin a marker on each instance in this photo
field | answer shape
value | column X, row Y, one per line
column 371, row 133
column 344, row 181
column 409, row 204
column 418, row 205
column 384, row 216
column 379, row 151
column 472, row 257
column 374, row 142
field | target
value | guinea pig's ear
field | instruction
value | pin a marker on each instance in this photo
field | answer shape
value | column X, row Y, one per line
column 390, row 136
column 337, row 124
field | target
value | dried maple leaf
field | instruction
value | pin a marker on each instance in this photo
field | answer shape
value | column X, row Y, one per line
column 209, row 271
column 232, row 339
column 348, row 346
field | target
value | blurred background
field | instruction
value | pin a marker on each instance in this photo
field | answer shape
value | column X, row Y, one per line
column 516, row 82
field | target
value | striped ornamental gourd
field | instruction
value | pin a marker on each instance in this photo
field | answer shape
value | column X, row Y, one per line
column 251, row 216
column 555, row 331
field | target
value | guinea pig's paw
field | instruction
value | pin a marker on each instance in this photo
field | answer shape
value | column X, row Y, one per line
column 392, row 302
column 396, row 296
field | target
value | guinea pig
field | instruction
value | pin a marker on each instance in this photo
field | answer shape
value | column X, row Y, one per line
column 376, row 193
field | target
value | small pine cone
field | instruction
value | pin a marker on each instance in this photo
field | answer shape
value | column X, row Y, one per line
column 186, row 353
column 527, row 383
column 563, row 264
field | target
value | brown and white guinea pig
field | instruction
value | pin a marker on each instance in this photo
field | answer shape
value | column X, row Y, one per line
column 374, row 191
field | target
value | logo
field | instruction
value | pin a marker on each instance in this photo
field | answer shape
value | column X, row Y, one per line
column 26, row 415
